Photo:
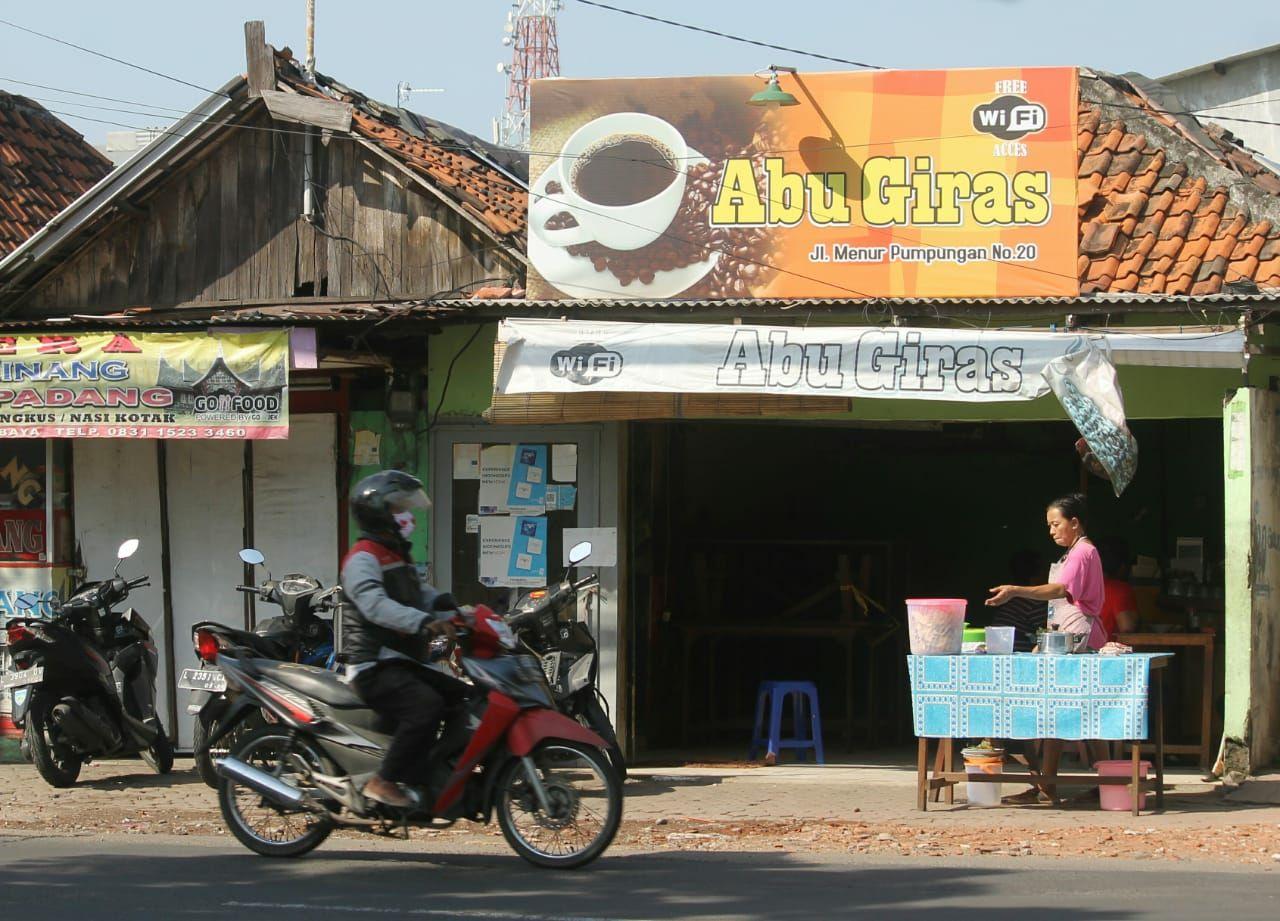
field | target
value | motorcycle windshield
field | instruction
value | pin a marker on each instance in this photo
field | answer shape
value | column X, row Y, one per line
column 519, row 677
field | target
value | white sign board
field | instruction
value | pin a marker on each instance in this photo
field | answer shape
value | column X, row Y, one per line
column 970, row 365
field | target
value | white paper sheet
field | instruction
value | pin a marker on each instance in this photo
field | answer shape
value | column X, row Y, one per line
column 466, row 462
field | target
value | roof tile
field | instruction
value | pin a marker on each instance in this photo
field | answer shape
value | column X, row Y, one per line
column 44, row 166
column 461, row 168
column 1095, row 163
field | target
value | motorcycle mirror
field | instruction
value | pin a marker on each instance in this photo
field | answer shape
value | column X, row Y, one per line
column 579, row 552
column 127, row 549
column 252, row 557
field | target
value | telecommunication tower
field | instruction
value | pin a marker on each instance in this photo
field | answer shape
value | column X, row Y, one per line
column 530, row 32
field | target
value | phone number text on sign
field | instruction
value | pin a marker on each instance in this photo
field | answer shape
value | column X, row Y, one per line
column 145, row 431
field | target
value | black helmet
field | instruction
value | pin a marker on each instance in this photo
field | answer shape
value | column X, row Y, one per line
column 378, row 498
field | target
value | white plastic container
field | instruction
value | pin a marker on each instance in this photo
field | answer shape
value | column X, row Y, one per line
column 936, row 625
column 986, row 761
column 1000, row 641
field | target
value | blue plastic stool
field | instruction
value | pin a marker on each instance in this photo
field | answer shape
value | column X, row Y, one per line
column 777, row 693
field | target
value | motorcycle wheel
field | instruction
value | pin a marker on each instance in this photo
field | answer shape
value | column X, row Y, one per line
column 59, row 766
column 227, row 744
column 160, row 754
column 592, row 715
column 204, row 759
column 259, row 825
column 585, row 796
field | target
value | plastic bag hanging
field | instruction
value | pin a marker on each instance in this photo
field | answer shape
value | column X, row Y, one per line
column 1084, row 382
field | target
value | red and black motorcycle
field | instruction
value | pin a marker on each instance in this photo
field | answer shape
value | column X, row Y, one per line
column 505, row 750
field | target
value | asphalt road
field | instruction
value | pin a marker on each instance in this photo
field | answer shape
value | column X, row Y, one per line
column 119, row 877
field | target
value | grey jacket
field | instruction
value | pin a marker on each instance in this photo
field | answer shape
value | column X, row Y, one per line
column 390, row 605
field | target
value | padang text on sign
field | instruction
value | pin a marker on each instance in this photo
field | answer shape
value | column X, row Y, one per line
column 144, row 385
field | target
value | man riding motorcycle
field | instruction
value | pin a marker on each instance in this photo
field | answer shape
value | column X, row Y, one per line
column 395, row 617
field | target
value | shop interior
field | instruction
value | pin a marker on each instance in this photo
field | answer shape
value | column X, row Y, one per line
column 784, row 551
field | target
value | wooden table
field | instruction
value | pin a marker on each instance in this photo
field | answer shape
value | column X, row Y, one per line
column 942, row 780
column 1206, row 749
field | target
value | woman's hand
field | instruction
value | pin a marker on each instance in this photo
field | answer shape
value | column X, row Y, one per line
column 1002, row 593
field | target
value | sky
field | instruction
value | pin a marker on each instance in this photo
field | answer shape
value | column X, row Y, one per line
column 372, row 45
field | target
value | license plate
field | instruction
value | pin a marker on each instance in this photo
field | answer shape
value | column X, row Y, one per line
column 203, row 679
column 17, row 679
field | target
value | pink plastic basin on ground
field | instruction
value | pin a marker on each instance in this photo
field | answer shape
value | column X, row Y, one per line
column 1114, row 797
column 936, row 625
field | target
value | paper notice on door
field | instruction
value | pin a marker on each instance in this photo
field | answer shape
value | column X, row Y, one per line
column 473, row 524
column 561, row 498
column 506, row 559
column 466, row 462
column 367, row 450
column 495, row 478
column 528, row 479
column 564, row 463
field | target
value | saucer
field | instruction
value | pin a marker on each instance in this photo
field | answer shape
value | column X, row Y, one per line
column 576, row 276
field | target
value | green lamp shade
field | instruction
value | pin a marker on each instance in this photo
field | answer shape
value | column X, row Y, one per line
column 773, row 95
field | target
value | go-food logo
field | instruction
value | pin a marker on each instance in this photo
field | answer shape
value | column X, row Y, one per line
column 586, row 364
column 1010, row 118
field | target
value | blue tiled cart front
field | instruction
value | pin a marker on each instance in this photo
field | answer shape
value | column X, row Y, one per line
column 1026, row 696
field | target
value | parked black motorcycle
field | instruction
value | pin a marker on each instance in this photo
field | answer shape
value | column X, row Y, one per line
column 545, row 622
column 297, row 635
column 84, row 681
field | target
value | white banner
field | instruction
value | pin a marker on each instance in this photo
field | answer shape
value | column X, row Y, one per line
column 878, row 363
column 553, row 356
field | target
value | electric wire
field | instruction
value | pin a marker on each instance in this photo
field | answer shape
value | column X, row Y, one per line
column 466, row 149
column 586, row 2
column 727, row 35
column 108, row 57
column 372, row 142
column 58, row 89
column 841, row 288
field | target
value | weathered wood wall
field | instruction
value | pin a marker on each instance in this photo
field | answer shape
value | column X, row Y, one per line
column 228, row 227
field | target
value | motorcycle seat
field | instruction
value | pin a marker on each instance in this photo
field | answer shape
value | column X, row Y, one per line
column 265, row 646
column 314, row 682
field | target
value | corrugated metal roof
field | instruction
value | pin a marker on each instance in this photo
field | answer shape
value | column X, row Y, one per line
column 1098, row 303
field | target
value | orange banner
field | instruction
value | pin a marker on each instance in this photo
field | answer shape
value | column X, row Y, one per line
column 955, row 183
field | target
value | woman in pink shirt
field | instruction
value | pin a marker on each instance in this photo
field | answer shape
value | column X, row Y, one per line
column 1075, row 595
column 1075, row 587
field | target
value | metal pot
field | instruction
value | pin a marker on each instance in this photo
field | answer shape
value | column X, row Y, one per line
column 1058, row 643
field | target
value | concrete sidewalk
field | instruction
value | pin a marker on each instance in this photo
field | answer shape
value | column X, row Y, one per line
column 792, row 807
column 876, row 792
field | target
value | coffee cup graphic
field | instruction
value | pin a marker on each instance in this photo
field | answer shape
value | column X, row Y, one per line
column 622, row 179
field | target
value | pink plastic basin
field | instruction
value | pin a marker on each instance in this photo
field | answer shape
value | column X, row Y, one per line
column 1114, row 797
column 936, row 625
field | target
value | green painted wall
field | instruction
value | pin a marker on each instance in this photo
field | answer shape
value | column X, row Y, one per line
column 402, row 450
column 469, row 349
column 1252, row 501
